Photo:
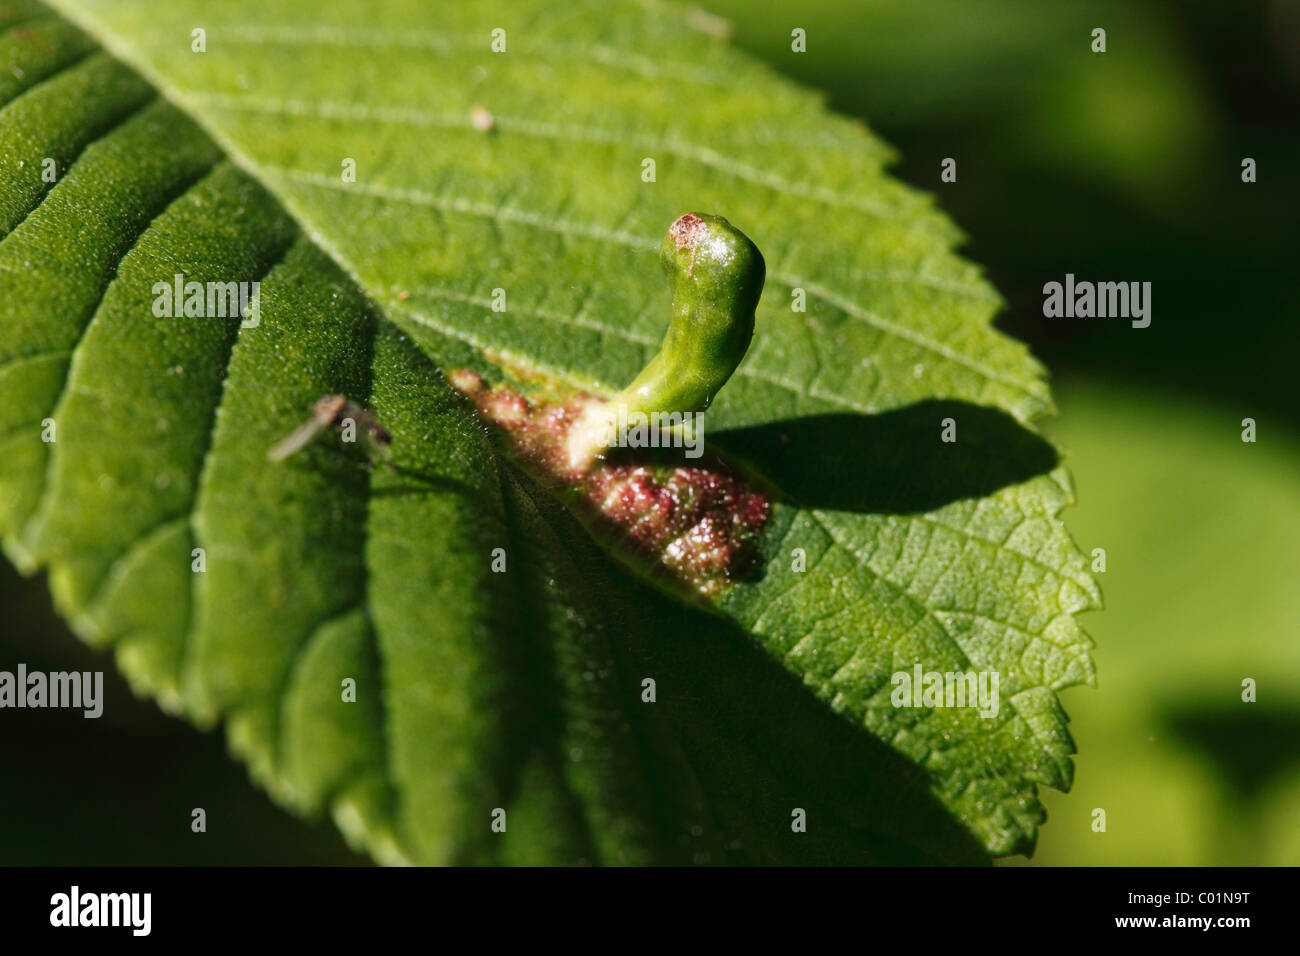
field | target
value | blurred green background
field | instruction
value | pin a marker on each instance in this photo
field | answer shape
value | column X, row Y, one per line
column 1119, row 166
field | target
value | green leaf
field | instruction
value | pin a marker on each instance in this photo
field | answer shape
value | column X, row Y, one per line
column 521, row 690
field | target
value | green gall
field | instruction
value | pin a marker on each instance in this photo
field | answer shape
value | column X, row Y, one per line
column 715, row 276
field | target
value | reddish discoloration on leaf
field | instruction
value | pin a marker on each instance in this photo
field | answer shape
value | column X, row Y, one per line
column 699, row 520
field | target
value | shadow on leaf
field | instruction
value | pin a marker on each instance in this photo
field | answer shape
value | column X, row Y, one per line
column 896, row 462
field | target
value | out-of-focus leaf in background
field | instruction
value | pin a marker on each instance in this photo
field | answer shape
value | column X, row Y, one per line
column 1015, row 78
column 1202, row 540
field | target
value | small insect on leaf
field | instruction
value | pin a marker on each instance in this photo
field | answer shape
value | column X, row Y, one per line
column 336, row 411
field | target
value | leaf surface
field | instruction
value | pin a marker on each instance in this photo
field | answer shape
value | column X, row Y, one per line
column 521, row 690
